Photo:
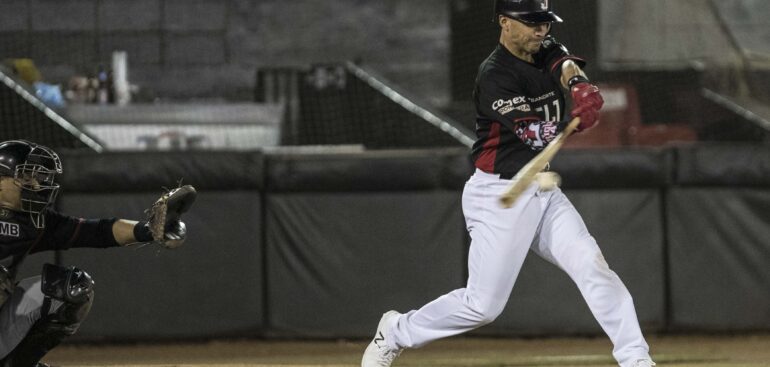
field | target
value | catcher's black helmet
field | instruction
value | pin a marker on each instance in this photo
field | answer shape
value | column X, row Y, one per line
column 34, row 167
column 527, row 11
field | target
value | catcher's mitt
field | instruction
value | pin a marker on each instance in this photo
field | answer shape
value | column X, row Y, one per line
column 163, row 218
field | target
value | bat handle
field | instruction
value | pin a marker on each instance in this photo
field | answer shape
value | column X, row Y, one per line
column 525, row 176
column 506, row 201
column 572, row 125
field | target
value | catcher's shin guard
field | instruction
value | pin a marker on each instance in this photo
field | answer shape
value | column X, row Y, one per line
column 47, row 333
column 73, row 290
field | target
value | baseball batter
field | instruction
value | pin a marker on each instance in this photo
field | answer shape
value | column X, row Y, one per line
column 37, row 313
column 520, row 104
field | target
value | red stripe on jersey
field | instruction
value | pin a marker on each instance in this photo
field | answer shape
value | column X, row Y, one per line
column 565, row 58
column 486, row 160
column 75, row 233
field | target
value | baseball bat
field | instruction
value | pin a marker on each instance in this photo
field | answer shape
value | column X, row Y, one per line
column 526, row 174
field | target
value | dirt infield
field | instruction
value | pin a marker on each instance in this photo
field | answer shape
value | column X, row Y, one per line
column 680, row 351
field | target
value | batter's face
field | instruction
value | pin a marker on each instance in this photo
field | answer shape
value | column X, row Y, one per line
column 10, row 193
column 522, row 39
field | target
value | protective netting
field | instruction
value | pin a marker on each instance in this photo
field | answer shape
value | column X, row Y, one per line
column 345, row 104
column 24, row 116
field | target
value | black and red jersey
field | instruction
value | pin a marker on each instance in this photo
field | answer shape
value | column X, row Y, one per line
column 519, row 106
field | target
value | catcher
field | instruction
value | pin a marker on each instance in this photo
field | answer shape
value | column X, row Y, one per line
column 37, row 313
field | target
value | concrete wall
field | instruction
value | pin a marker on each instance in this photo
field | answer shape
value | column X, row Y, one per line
column 210, row 48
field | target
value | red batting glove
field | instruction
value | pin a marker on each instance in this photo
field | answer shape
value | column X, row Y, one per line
column 586, row 103
column 589, row 117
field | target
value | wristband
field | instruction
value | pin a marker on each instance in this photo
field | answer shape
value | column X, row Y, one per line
column 576, row 79
column 142, row 232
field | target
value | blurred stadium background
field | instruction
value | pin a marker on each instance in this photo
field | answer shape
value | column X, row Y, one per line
column 329, row 142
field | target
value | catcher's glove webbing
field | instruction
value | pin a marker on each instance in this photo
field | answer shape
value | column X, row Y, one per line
column 163, row 225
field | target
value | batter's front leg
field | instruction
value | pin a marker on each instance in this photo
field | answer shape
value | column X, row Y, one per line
column 564, row 241
column 500, row 239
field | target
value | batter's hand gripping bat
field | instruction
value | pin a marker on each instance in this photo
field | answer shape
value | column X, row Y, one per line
column 526, row 174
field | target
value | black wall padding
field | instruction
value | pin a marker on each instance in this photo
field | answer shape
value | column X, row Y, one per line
column 724, row 165
column 458, row 168
column 337, row 261
column 370, row 171
column 719, row 249
column 150, row 171
column 212, row 286
column 296, row 245
column 613, row 168
column 450, row 168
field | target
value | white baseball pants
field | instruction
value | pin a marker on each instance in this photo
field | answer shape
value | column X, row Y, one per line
column 547, row 223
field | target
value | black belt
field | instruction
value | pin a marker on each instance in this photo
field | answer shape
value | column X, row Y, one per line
column 507, row 176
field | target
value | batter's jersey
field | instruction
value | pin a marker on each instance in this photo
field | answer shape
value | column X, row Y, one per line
column 519, row 106
column 19, row 237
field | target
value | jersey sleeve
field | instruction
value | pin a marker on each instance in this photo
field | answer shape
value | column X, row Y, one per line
column 512, row 108
column 553, row 54
column 537, row 134
column 64, row 232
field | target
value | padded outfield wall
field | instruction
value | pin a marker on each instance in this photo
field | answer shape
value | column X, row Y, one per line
column 292, row 245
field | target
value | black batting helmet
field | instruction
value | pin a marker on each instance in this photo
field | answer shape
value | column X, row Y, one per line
column 527, row 11
column 35, row 168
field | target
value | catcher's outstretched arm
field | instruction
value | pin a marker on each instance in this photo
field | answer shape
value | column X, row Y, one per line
column 123, row 231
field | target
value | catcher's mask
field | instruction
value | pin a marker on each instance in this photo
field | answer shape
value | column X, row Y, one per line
column 34, row 168
column 527, row 11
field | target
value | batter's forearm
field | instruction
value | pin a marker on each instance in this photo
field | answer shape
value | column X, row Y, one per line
column 570, row 69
